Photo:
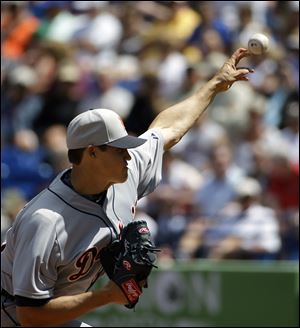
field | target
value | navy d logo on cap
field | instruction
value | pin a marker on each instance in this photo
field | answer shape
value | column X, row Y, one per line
column 100, row 127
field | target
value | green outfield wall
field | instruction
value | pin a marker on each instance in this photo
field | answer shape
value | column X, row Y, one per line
column 212, row 294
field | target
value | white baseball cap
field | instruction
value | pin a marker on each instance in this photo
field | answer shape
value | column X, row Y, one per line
column 99, row 127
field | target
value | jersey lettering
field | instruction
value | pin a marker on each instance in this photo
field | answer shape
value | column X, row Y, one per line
column 84, row 263
column 120, row 228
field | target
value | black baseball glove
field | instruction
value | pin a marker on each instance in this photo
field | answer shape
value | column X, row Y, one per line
column 130, row 259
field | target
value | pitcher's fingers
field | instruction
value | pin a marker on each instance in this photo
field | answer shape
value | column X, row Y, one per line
column 238, row 55
column 250, row 70
column 244, row 71
column 243, row 78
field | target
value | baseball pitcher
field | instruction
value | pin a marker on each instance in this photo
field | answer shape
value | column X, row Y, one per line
column 82, row 226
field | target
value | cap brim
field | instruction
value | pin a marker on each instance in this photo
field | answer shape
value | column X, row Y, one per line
column 127, row 142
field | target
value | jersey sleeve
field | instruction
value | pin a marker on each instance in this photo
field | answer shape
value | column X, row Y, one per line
column 36, row 256
column 146, row 162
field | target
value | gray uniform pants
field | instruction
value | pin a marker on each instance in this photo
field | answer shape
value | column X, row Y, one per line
column 9, row 317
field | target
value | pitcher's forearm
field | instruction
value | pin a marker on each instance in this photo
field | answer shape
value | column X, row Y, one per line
column 66, row 308
column 176, row 120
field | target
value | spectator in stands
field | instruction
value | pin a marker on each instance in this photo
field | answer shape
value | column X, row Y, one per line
column 18, row 25
column 246, row 229
column 282, row 190
column 145, row 106
column 210, row 21
column 196, row 145
column 61, row 100
column 289, row 233
column 218, row 186
column 20, row 103
column 290, row 130
column 23, row 165
column 54, row 142
column 171, row 206
column 257, row 133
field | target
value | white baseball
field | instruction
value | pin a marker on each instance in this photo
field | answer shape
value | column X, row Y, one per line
column 258, row 44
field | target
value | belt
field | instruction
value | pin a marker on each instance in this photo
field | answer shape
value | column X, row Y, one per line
column 5, row 293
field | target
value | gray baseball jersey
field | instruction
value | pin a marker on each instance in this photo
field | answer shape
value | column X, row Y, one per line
column 53, row 246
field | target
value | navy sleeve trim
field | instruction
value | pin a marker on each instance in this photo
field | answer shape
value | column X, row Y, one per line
column 25, row 301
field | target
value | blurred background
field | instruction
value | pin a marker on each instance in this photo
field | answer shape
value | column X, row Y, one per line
column 230, row 188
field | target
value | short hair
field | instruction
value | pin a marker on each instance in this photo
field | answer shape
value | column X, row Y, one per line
column 75, row 155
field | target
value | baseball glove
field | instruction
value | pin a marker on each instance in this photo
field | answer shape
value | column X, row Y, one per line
column 130, row 259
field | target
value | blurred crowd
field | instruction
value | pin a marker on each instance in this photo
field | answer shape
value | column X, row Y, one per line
column 230, row 188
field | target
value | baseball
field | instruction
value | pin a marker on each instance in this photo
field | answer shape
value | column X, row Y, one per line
column 258, row 44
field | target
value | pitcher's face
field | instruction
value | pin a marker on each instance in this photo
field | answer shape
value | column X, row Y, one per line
column 113, row 162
